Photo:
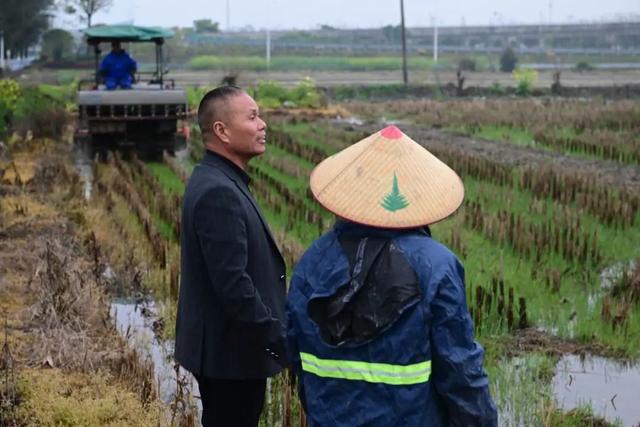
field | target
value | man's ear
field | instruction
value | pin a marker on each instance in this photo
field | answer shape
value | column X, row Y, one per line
column 220, row 130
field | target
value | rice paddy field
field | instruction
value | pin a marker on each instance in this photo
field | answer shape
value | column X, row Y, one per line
column 549, row 234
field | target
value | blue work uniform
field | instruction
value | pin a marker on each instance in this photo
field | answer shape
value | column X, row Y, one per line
column 379, row 333
column 118, row 68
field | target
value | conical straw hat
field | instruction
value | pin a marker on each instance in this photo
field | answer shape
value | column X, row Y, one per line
column 387, row 180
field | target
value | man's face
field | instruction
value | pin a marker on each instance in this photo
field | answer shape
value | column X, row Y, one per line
column 246, row 131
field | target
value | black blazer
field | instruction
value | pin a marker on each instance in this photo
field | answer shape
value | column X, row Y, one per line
column 232, row 292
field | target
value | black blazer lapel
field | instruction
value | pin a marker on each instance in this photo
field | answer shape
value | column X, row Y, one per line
column 255, row 206
column 212, row 161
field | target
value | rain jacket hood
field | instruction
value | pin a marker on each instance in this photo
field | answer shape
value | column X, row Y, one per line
column 380, row 335
column 380, row 287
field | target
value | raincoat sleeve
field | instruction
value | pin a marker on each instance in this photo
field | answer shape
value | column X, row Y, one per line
column 457, row 372
column 105, row 65
column 222, row 234
column 293, row 351
column 132, row 64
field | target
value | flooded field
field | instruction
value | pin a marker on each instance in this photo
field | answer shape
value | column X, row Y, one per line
column 548, row 235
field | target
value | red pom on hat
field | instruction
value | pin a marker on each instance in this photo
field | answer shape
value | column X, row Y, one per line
column 391, row 132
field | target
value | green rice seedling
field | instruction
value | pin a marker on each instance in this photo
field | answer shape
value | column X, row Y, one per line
column 167, row 178
column 521, row 388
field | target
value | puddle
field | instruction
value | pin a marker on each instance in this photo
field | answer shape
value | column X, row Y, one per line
column 611, row 275
column 351, row 120
column 395, row 122
column 85, row 169
column 135, row 324
column 611, row 388
column 137, row 328
column 182, row 154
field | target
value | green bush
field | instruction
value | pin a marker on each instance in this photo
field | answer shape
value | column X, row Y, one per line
column 508, row 60
column 63, row 95
column 43, row 109
column 305, row 94
column 9, row 94
column 525, row 79
column 583, row 66
column 270, row 94
column 39, row 113
column 497, row 89
column 57, row 44
column 268, row 89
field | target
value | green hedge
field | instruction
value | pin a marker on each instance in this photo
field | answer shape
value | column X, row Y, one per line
column 320, row 63
column 43, row 110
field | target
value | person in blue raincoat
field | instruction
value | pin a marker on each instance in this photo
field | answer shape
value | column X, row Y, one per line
column 118, row 68
column 379, row 332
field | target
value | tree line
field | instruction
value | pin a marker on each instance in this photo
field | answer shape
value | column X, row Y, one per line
column 22, row 22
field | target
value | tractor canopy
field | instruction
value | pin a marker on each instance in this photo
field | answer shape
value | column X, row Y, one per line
column 126, row 33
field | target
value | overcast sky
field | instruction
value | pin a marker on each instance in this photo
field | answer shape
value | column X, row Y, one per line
column 308, row 14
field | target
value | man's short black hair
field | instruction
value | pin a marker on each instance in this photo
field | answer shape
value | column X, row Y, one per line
column 211, row 107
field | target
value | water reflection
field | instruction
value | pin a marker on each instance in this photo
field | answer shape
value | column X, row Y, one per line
column 84, row 166
column 137, row 328
column 611, row 388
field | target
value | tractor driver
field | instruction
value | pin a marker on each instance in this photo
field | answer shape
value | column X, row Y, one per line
column 118, row 68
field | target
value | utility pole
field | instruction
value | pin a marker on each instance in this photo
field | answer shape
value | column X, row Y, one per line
column 268, row 47
column 228, row 14
column 2, row 50
column 435, row 40
column 405, row 77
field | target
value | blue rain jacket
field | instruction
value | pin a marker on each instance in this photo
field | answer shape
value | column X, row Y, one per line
column 117, row 69
column 379, row 333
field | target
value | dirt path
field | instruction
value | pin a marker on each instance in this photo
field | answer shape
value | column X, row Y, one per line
column 606, row 171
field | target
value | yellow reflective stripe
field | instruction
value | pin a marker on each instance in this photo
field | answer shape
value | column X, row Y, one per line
column 365, row 371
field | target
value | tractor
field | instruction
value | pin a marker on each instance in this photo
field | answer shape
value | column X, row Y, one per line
column 149, row 117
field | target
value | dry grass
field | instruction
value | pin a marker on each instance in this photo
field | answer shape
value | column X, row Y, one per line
column 23, row 210
column 70, row 364
column 54, row 397
column 19, row 171
column 69, row 309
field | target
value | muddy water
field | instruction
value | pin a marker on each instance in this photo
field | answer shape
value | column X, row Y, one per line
column 84, row 166
column 611, row 388
column 137, row 328
column 612, row 275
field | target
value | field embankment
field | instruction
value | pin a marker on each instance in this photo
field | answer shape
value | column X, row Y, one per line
column 63, row 361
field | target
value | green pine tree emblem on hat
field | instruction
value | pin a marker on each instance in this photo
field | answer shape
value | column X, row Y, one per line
column 395, row 200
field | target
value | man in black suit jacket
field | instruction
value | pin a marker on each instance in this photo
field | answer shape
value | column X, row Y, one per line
column 230, row 325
